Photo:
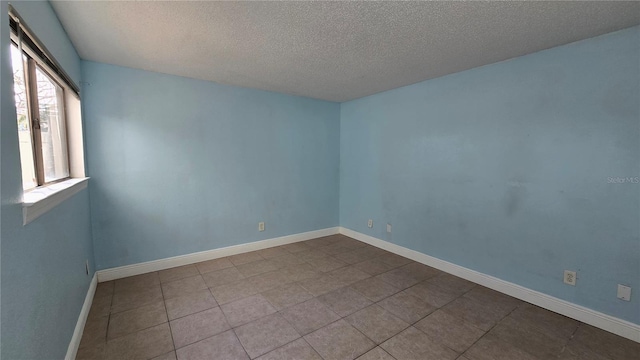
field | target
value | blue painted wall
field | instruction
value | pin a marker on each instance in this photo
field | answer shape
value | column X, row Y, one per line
column 179, row 165
column 505, row 169
column 42, row 264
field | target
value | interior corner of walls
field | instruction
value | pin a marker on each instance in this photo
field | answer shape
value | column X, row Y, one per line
column 74, row 343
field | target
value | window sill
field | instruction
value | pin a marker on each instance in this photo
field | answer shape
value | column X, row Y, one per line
column 40, row 200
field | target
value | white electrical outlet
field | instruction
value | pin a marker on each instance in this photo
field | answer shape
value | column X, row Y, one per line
column 624, row 292
column 388, row 228
column 370, row 223
column 261, row 226
column 570, row 277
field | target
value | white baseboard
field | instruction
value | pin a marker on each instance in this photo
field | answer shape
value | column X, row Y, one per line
column 74, row 344
column 167, row 263
column 603, row 321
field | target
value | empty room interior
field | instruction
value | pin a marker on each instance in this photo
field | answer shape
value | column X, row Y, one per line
column 320, row 180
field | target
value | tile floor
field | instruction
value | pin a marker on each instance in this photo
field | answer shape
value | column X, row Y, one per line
column 327, row 298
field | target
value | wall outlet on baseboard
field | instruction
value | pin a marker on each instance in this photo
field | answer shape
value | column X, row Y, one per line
column 388, row 228
column 624, row 292
column 370, row 223
column 261, row 226
column 570, row 277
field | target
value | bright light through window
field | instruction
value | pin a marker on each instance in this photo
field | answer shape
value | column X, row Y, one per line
column 27, row 159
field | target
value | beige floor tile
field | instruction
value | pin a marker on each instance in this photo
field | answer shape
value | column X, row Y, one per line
column 321, row 285
column 312, row 254
column 477, row 314
column 245, row 258
column 273, row 252
column 190, row 304
column 270, row 280
column 256, row 268
column 607, row 344
column 339, row 340
column 130, row 321
column 323, row 241
column 234, row 291
column 498, row 301
column 222, row 346
column 177, row 273
column 131, row 299
column 449, row 331
column 104, row 289
column 350, row 243
column 376, row 323
column 144, row 344
column 578, row 351
column 326, row 264
column 491, row 348
column 301, row 272
column 371, row 251
column 92, row 352
column 334, row 249
column 421, row 271
column 393, row 259
column 407, row 307
column 287, row 295
column 354, row 256
column 374, row 289
column 545, row 320
column 183, row 287
column 408, row 275
column 349, row 275
column 245, row 310
column 344, row 301
column 101, row 306
column 222, row 277
column 287, row 260
column 213, row 265
column 414, row 344
column 376, row 354
column 167, row 356
column 432, row 294
column 309, row 316
column 373, row 267
column 198, row 326
column 95, row 329
column 452, row 284
column 136, row 283
column 528, row 338
column 266, row 334
column 296, row 350
column 296, row 247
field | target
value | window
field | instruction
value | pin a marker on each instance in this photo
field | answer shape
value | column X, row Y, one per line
column 41, row 97
column 49, row 124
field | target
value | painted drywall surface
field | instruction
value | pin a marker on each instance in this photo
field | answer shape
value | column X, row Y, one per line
column 181, row 165
column 505, row 169
column 42, row 264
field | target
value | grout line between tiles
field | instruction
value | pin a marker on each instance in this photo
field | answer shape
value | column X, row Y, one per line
column 168, row 321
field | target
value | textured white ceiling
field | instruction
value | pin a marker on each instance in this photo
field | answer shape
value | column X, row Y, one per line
column 335, row 51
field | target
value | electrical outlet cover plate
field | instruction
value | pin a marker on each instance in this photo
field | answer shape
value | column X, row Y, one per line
column 624, row 292
column 261, row 226
column 570, row 277
column 388, row 228
column 370, row 223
